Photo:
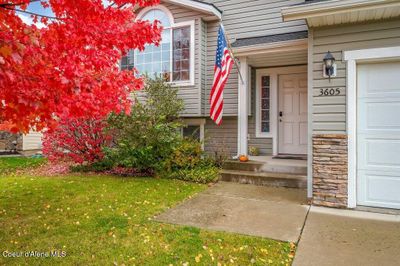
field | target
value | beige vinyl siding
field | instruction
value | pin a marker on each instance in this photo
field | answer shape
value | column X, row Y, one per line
column 221, row 139
column 191, row 94
column 329, row 113
column 243, row 19
column 32, row 141
column 263, row 144
column 251, row 18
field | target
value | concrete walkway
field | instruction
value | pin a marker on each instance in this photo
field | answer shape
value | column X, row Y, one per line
column 346, row 237
column 328, row 236
column 276, row 213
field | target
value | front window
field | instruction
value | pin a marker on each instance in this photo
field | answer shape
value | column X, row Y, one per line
column 192, row 131
column 181, row 57
column 172, row 58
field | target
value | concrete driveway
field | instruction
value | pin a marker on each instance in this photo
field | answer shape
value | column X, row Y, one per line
column 276, row 213
column 346, row 237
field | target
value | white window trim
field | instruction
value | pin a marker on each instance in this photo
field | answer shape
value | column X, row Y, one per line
column 352, row 58
column 197, row 122
column 191, row 24
column 273, row 73
column 273, row 108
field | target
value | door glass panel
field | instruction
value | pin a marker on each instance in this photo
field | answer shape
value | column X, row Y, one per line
column 265, row 106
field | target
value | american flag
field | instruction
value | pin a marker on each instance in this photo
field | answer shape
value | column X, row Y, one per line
column 222, row 69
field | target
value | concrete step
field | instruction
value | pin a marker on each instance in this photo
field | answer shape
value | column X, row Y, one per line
column 284, row 168
column 268, row 167
column 271, row 179
column 243, row 166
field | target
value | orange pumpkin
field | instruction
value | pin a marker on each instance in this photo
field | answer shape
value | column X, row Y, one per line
column 243, row 158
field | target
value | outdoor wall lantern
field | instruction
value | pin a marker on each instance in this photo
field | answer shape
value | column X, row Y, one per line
column 329, row 66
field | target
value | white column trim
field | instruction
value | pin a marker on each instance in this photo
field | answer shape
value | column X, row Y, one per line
column 352, row 58
column 242, row 107
column 351, row 133
column 310, row 104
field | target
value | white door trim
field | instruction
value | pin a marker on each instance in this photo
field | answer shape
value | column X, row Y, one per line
column 352, row 58
column 273, row 73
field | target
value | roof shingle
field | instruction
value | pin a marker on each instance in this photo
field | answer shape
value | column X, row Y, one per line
column 270, row 39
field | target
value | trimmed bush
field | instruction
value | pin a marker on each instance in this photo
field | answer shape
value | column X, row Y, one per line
column 199, row 174
column 146, row 137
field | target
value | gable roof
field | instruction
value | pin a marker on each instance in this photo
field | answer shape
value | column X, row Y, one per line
column 209, row 8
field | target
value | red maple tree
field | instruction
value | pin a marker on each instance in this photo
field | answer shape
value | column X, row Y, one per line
column 69, row 68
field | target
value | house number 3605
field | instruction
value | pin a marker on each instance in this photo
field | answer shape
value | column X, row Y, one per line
column 329, row 92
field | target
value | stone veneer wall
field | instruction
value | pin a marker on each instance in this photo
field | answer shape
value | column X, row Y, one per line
column 7, row 141
column 330, row 170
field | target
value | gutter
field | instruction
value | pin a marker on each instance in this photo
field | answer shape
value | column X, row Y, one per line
column 331, row 7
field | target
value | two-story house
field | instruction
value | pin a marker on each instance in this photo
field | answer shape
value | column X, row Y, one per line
column 320, row 80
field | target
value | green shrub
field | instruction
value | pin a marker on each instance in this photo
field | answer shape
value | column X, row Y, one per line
column 199, row 174
column 149, row 140
column 145, row 138
column 186, row 155
column 187, row 162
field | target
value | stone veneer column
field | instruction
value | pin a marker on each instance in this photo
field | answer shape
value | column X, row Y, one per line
column 330, row 170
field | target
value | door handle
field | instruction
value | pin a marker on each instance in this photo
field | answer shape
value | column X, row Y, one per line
column 280, row 113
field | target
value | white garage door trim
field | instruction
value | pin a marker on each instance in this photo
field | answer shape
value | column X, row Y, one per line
column 352, row 58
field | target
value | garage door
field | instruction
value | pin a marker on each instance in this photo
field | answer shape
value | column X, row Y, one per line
column 378, row 135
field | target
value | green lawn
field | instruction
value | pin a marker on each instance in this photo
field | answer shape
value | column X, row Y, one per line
column 107, row 220
column 9, row 164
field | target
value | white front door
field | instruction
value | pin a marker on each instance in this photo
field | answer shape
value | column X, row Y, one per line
column 378, row 135
column 292, row 113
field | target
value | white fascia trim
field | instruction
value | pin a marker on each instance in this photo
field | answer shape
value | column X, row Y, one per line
column 198, row 6
column 375, row 53
column 320, row 9
column 292, row 45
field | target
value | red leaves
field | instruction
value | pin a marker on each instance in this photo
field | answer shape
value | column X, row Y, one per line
column 79, row 139
column 69, row 68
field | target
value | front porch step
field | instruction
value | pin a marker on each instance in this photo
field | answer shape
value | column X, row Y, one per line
column 271, row 179
column 284, row 168
column 276, row 166
column 243, row 166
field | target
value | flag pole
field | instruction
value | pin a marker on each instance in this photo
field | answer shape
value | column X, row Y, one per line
column 231, row 52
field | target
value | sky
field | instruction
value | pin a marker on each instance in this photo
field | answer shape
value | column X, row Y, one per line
column 37, row 8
